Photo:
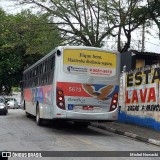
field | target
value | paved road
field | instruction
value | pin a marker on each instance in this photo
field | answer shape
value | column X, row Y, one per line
column 19, row 133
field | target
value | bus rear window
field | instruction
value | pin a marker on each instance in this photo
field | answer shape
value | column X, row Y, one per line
column 89, row 62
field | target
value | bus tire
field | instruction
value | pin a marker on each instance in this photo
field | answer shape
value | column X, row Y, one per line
column 39, row 120
column 24, row 105
column 28, row 115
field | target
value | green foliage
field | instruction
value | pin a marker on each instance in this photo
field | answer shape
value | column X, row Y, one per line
column 93, row 22
column 154, row 12
column 16, row 89
column 80, row 22
column 24, row 38
column 36, row 32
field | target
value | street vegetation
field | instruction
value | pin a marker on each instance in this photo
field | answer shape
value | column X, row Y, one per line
column 28, row 36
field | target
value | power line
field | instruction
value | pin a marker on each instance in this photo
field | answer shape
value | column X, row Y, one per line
column 152, row 43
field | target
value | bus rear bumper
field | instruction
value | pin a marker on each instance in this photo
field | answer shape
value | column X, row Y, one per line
column 108, row 116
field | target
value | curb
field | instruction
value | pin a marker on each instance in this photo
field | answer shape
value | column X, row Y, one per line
column 128, row 134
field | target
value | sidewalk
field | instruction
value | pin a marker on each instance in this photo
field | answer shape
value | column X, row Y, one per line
column 138, row 132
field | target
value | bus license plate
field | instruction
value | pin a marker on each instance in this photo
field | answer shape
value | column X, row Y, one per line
column 87, row 107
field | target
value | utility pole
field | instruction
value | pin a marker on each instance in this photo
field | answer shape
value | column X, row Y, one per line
column 139, row 45
column 143, row 37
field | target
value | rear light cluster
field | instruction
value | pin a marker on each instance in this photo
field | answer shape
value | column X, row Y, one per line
column 114, row 102
column 60, row 99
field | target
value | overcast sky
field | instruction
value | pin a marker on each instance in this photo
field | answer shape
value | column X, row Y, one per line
column 9, row 6
column 152, row 43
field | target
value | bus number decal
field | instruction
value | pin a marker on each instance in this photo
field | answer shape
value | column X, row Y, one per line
column 74, row 89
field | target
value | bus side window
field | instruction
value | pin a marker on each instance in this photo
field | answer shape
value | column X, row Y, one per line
column 41, row 69
column 45, row 66
column 48, row 65
column 30, row 75
column 52, row 62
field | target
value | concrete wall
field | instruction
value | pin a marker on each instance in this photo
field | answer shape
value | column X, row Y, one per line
column 139, row 97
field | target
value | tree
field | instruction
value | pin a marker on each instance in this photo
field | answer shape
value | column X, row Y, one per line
column 80, row 22
column 91, row 22
column 130, row 14
column 24, row 39
column 154, row 11
column 8, row 54
column 35, row 32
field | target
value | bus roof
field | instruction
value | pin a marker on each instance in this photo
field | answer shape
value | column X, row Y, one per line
column 39, row 61
column 67, row 47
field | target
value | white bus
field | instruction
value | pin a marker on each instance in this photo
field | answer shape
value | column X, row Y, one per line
column 73, row 83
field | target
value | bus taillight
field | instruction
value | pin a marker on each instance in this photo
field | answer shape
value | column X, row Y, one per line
column 114, row 102
column 60, row 99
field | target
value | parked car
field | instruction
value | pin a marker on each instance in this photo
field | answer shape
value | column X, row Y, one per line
column 3, row 106
column 19, row 104
column 12, row 103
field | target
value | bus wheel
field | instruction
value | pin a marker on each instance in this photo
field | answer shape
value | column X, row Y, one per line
column 81, row 124
column 24, row 105
column 27, row 115
column 38, row 119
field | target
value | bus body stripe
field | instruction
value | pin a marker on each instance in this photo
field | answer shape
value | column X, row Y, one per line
column 72, row 89
column 41, row 94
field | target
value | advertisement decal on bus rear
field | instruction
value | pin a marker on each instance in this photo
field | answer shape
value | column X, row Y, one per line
column 87, row 94
column 89, row 62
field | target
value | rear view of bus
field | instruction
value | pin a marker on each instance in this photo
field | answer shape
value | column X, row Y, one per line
column 87, row 84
